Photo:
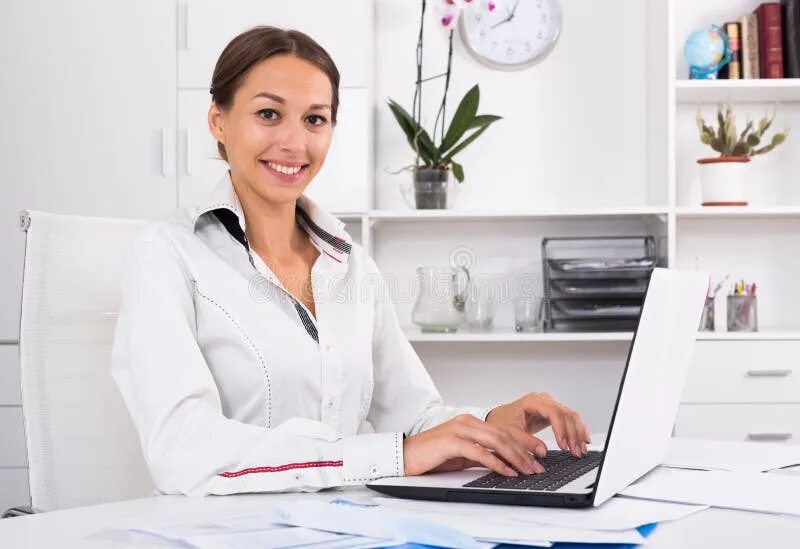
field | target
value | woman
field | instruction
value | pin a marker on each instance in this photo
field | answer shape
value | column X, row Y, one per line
column 242, row 369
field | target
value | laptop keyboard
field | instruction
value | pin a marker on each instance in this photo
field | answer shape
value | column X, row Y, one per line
column 560, row 468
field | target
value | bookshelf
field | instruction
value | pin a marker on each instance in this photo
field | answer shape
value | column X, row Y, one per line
column 761, row 90
column 757, row 242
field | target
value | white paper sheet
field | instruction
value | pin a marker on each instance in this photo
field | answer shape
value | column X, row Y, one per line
column 286, row 537
column 525, row 532
column 373, row 522
column 615, row 514
column 721, row 455
column 764, row 492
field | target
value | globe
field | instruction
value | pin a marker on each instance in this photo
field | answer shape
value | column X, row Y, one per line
column 706, row 51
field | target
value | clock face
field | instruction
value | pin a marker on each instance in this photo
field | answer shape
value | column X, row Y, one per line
column 516, row 35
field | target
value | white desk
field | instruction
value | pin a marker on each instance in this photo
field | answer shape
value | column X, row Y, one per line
column 75, row 528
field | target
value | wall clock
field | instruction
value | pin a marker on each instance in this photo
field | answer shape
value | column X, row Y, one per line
column 516, row 35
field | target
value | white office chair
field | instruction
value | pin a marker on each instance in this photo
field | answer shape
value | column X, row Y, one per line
column 82, row 446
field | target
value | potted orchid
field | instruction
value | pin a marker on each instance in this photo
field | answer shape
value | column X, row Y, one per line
column 723, row 179
column 435, row 151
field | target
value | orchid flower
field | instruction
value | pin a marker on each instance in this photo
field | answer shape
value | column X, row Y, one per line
column 447, row 11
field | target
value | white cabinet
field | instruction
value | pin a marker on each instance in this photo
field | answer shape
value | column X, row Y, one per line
column 342, row 184
column 13, row 488
column 744, row 372
column 208, row 25
column 742, row 422
column 12, row 450
column 9, row 376
column 199, row 164
column 743, row 390
column 88, row 111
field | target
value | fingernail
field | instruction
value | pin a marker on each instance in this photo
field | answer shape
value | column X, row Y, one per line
column 541, row 451
column 512, row 473
column 539, row 468
column 585, row 450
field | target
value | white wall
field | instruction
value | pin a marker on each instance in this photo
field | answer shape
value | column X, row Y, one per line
column 566, row 121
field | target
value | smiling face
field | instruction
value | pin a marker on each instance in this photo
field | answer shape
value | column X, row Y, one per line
column 278, row 129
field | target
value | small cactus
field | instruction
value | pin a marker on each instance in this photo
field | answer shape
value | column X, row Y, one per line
column 727, row 142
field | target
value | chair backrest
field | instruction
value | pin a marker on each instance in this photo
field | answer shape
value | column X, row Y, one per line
column 82, row 446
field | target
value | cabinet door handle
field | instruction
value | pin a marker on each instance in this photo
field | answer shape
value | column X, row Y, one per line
column 762, row 437
column 164, row 151
column 188, row 151
column 186, row 25
column 768, row 373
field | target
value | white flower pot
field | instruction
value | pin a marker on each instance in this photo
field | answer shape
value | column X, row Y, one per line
column 724, row 180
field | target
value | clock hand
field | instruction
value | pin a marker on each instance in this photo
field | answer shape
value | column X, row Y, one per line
column 500, row 23
column 507, row 19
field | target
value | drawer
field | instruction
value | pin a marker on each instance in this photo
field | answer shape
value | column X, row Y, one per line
column 12, row 438
column 14, row 488
column 744, row 372
column 740, row 422
column 9, row 375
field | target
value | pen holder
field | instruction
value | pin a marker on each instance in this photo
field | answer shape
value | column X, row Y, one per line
column 742, row 313
column 707, row 319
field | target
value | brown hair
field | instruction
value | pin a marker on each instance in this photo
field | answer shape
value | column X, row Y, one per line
column 260, row 43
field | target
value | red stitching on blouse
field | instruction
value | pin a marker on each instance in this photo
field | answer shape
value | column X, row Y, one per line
column 288, row 466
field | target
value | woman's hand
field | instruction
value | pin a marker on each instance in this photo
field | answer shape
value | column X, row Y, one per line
column 466, row 441
column 535, row 411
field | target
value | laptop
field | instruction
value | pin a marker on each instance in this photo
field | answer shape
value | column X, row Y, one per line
column 641, row 424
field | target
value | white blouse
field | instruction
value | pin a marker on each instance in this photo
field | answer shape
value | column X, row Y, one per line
column 235, row 387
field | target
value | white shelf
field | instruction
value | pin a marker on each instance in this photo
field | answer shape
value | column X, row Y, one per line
column 758, row 90
column 508, row 335
column 714, row 212
column 776, row 335
column 477, row 215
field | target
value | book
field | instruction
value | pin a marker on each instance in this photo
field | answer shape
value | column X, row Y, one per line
column 770, row 36
column 791, row 38
column 735, row 44
column 722, row 73
column 750, row 63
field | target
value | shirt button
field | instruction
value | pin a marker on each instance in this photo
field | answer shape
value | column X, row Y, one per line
column 373, row 470
column 328, row 347
column 298, row 476
column 331, row 403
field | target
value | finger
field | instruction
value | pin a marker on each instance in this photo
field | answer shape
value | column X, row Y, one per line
column 580, row 432
column 557, row 423
column 572, row 432
column 504, row 445
column 533, row 446
column 505, row 439
column 479, row 454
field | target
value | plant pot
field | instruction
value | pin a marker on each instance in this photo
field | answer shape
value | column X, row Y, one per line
column 723, row 180
column 431, row 189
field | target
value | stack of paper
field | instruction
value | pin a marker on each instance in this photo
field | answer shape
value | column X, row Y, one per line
column 747, row 491
column 614, row 522
column 695, row 453
column 342, row 524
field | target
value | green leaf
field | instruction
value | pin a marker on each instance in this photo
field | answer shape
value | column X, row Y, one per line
column 458, row 171
column 484, row 120
column 417, row 137
column 753, row 140
column 465, row 113
column 460, row 147
column 741, row 149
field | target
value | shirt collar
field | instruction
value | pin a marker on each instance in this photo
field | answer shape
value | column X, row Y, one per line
column 325, row 230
